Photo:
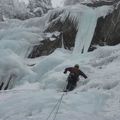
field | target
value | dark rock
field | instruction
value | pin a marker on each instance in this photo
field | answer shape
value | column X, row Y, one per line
column 68, row 33
column 68, row 28
column 39, row 7
column 101, row 3
column 107, row 31
column 46, row 47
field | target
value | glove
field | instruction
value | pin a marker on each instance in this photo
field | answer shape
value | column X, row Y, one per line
column 65, row 72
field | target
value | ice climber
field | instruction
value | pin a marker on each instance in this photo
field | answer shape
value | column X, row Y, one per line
column 73, row 77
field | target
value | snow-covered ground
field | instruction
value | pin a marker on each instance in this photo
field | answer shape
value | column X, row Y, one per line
column 36, row 89
column 97, row 97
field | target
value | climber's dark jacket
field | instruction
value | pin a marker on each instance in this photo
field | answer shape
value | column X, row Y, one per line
column 73, row 77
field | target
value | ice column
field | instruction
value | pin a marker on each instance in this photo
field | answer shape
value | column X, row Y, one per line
column 86, row 28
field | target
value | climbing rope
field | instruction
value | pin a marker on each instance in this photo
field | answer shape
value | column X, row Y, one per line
column 57, row 106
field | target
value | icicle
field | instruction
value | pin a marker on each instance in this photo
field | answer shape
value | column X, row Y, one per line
column 86, row 27
column 62, row 40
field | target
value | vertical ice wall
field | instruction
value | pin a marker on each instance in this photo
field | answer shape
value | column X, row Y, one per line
column 86, row 27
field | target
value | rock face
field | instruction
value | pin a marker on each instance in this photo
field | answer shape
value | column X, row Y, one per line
column 68, row 29
column 39, row 7
column 98, row 3
column 14, row 9
column 46, row 46
column 67, row 32
column 107, row 32
column 108, row 29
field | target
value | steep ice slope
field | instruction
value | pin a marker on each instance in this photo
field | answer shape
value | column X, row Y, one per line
column 19, row 37
column 94, row 98
column 39, row 80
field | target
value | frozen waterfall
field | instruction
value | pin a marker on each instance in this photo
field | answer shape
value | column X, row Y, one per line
column 86, row 27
